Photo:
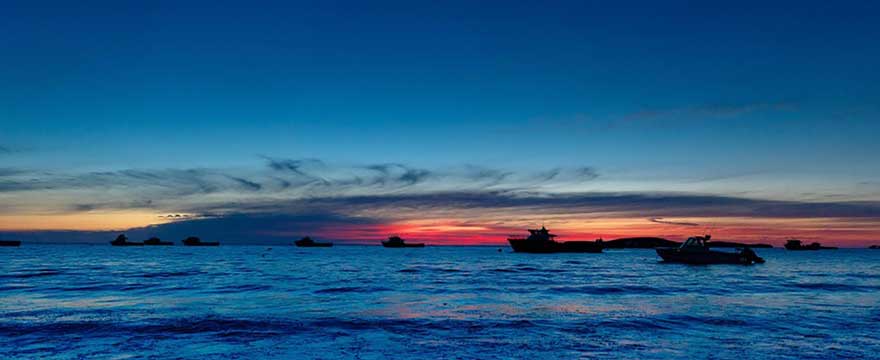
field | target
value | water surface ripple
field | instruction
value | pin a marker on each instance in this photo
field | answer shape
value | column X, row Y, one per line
column 101, row 302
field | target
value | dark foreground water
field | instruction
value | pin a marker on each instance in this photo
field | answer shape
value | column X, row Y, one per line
column 100, row 302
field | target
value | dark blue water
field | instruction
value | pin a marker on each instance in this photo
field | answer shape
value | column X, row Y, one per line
column 101, row 302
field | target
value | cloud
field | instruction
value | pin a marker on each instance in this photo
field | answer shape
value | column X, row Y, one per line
column 708, row 111
column 661, row 221
column 247, row 183
column 515, row 203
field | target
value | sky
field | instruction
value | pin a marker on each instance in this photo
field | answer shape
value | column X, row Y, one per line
column 455, row 122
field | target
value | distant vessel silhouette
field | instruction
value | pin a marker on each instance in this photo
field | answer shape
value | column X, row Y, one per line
column 795, row 244
column 397, row 242
column 154, row 241
column 696, row 251
column 308, row 242
column 10, row 243
column 542, row 241
column 874, row 247
column 194, row 241
column 122, row 240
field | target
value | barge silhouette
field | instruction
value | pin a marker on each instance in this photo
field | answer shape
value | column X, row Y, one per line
column 10, row 243
column 194, row 241
column 397, row 242
column 122, row 240
column 541, row 241
column 154, row 241
column 795, row 244
column 308, row 242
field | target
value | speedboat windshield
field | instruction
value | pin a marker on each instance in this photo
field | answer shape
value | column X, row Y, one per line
column 694, row 242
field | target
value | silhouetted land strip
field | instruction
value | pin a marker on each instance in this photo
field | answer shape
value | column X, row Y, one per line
column 10, row 243
column 655, row 242
column 308, row 242
column 194, row 241
column 639, row 243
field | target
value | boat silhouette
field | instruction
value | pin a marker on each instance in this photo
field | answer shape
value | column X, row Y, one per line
column 795, row 244
column 122, row 240
column 308, row 242
column 194, row 241
column 874, row 247
column 543, row 242
column 10, row 243
column 396, row 242
column 696, row 251
column 154, row 241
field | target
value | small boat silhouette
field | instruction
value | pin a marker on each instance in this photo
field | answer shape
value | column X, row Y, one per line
column 543, row 242
column 122, row 240
column 396, row 242
column 795, row 244
column 308, row 242
column 696, row 251
column 194, row 241
column 10, row 243
column 154, row 241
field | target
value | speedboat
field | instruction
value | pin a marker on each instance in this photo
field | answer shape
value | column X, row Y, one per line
column 308, row 242
column 397, row 242
column 696, row 251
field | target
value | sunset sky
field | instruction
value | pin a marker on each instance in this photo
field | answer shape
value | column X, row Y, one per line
column 454, row 124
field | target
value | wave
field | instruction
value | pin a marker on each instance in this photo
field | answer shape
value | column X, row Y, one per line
column 167, row 274
column 31, row 274
column 230, row 289
column 603, row 290
column 351, row 289
column 833, row 287
column 243, row 328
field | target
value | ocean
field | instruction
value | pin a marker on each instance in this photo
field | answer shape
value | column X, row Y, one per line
column 368, row 302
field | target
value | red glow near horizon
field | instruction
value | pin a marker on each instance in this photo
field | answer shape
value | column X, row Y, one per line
column 451, row 232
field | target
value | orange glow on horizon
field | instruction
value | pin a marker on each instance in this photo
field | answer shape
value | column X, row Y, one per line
column 88, row 221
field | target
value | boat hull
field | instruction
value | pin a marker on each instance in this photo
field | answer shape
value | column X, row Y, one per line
column 127, row 244
column 397, row 246
column 315, row 245
column 549, row 247
column 676, row 255
column 202, row 244
column 163, row 243
column 10, row 243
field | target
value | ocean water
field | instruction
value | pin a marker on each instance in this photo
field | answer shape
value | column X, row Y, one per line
column 367, row 302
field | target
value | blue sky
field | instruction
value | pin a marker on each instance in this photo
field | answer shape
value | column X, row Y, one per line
column 672, row 96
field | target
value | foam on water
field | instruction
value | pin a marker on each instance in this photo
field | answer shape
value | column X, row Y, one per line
column 370, row 303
